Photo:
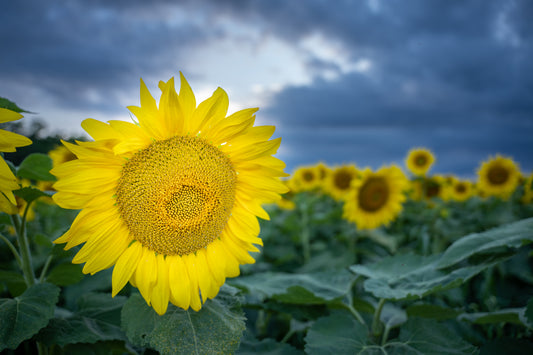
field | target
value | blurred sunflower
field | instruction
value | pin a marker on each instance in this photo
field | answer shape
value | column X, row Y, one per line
column 499, row 176
column 434, row 187
column 305, row 178
column 9, row 141
column 419, row 161
column 171, row 201
column 375, row 199
column 460, row 190
column 527, row 197
column 323, row 172
column 338, row 182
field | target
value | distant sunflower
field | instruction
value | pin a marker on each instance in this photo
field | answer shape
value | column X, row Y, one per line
column 375, row 199
column 460, row 190
column 323, row 172
column 434, row 187
column 171, row 201
column 527, row 197
column 9, row 141
column 339, row 181
column 419, row 161
column 305, row 178
column 498, row 176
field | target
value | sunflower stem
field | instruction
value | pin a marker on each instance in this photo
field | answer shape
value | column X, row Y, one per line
column 24, row 248
column 45, row 268
column 306, row 233
column 13, row 250
column 376, row 329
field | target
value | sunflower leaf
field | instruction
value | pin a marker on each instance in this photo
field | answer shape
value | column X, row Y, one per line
column 36, row 166
column 315, row 288
column 24, row 316
column 216, row 328
column 512, row 235
column 97, row 319
column 65, row 274
column 29, row 193
column 10, row 105
column 266, row 346
column 340, row 333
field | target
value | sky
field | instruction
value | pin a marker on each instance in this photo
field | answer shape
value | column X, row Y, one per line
column 343, row 81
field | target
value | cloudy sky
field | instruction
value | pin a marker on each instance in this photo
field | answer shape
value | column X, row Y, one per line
column 344, row 81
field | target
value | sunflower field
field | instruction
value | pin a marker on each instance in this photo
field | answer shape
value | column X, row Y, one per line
column 180, row 233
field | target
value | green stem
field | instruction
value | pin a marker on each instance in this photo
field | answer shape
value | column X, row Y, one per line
column 13, row 250
column 306, row 248
column 287, row 336
column 385, row 336
column 45, row 268
column 376, row 331
column 350, row 307
column 20, row 228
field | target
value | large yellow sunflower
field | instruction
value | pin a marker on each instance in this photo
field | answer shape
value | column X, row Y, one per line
column 338, row 182
column 171, row 201
column 499, row 176
column 9, row 141
column 419, row 161
column 375, row 199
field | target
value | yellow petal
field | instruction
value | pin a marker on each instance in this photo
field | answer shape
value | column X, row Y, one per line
column 146, row 274
column 180, row 285
column 190, row 265
column 187, row 102
column 125, row 267
column 99, row 130
column 209, row 112
column 9, row 141
column 206, row 282
column 170, row 109
column 217, row 263
column 161, row 291
column 8, row 115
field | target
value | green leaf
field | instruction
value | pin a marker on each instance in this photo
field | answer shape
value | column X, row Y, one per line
column 338, row 333
column 97, row 319
column 29, row 193
column 512, row 235
column 65, row 274
column 10, row 105
column 528, row 314
column 392, row 316
column 24, row 316
column 14, row 281
column 36, row 166
column 424, row 336
column 216, row 328
column 412, row 276
column 266, row 347
column 315, row 288
column 507, row 346
column 511, row 315
column 426, row 310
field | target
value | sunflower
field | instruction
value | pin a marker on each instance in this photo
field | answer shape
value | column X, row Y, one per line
column 171, row 201
column 459, row 190
column 338, row 182
column 9, row 141
column 375, row 199
column 434, row 187
column 499, row 176
column 305, row 178
column 419, row 161
column 527, row 196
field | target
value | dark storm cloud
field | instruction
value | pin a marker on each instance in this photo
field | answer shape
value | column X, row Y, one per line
column 70, row 47
column 454, row 76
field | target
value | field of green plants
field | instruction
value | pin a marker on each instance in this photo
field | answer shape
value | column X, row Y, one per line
column 439, row 276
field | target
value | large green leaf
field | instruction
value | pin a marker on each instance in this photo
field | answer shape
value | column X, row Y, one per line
column 266, row 347
column 24, row 316
column 425, row 336
column 426, row 310
column 511, row 315
column 14, row 281
column 338, row 334
column 315, row 288
column 216, row 328
column 512, row 235
column 97, row 319
column 36, row 166
column 411, row 276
